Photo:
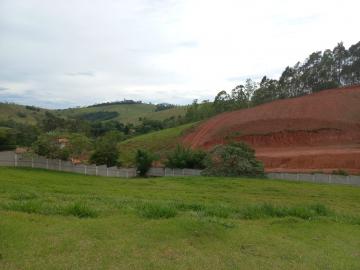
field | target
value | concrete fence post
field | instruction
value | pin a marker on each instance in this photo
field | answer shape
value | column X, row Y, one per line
column 59, row 164
column 47, row 164
column 32, row 162
column 127, row 173
column 85, row 169
column 297, row 177
column 173, row 172
column 347, row 179
column 96, row 170
column 329, row 178
column 107, row 171
column 313, row 177
column 15, row 160
column 183, row 172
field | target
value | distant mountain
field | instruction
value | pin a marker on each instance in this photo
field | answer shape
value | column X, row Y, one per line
column 123, row 111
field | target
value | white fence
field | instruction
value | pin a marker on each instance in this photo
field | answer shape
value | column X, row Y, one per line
column 12, row 159
column 9, row 158
column 317, row 178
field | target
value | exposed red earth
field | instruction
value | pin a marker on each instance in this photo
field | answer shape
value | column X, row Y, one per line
column 318, row 132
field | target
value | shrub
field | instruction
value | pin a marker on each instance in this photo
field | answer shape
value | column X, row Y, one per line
column 143, row 161
column 234, row 159
column 80, row 210
column 340, row 172
column 183, row 157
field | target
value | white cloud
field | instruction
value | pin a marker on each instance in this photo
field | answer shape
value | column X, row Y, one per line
column 82, row 52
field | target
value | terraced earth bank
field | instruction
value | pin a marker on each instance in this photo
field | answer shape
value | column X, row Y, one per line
column 318, row 132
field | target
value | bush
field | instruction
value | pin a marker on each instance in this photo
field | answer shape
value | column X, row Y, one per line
column 340, row 172
column 234, row 159
column 183, row 157
column 80, row 210
column 143, row 160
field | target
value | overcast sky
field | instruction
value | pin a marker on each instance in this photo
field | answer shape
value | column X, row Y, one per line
column 58, row 54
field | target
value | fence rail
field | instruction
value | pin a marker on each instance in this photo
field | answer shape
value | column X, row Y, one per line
column 318, row 178
column 10, row 158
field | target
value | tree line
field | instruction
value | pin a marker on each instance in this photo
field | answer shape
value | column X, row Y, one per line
column 321, row 70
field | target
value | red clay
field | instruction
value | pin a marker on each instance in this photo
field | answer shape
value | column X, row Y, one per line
column 318, row 132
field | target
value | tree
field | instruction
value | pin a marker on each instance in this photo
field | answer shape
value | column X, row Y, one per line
column 184, row 157
column 234, row 159
column 238, row 99
column 7, row 139
column 143, row 161
column 249, row 89
column 340, row 55
column 268, row 91
column 49, row 145
column 222, row 102
column 106, row 150
column 79, row 145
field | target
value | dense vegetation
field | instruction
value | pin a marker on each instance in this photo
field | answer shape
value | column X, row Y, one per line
column 68, row 221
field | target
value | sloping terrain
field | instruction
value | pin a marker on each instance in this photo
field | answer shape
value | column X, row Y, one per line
column 20, row 113
column 316, row 132
column 127, row 113
column 158, row 142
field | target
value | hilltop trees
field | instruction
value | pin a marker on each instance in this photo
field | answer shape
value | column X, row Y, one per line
column 321, row 70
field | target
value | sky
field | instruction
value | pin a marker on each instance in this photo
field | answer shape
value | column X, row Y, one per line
column 59, row 54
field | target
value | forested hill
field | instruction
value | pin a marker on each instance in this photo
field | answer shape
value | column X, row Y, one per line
column 329, row 69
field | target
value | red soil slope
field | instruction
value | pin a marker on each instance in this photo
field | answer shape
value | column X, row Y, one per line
column 318, row 132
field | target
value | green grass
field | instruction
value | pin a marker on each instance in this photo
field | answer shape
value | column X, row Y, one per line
column 159, row 142
column 54, row 220
column 20, row 114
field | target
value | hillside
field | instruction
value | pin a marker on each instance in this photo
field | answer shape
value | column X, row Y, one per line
column 159, row 142
column 20, row 113
column 315, row 132
column 127, row 113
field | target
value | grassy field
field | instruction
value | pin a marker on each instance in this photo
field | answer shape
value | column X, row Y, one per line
column 53, row 220
column 159, row 142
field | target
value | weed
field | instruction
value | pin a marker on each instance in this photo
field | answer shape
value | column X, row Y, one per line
column 156, row 211
column 80, row 210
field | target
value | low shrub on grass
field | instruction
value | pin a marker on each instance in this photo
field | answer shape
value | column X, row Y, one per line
column 80, row 210
column 24, row 196
column 24, row 206
column 156, row 211
column 268, row 210
column 340, row 172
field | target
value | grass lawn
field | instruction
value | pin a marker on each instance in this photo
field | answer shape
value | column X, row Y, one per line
column 54, row 220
